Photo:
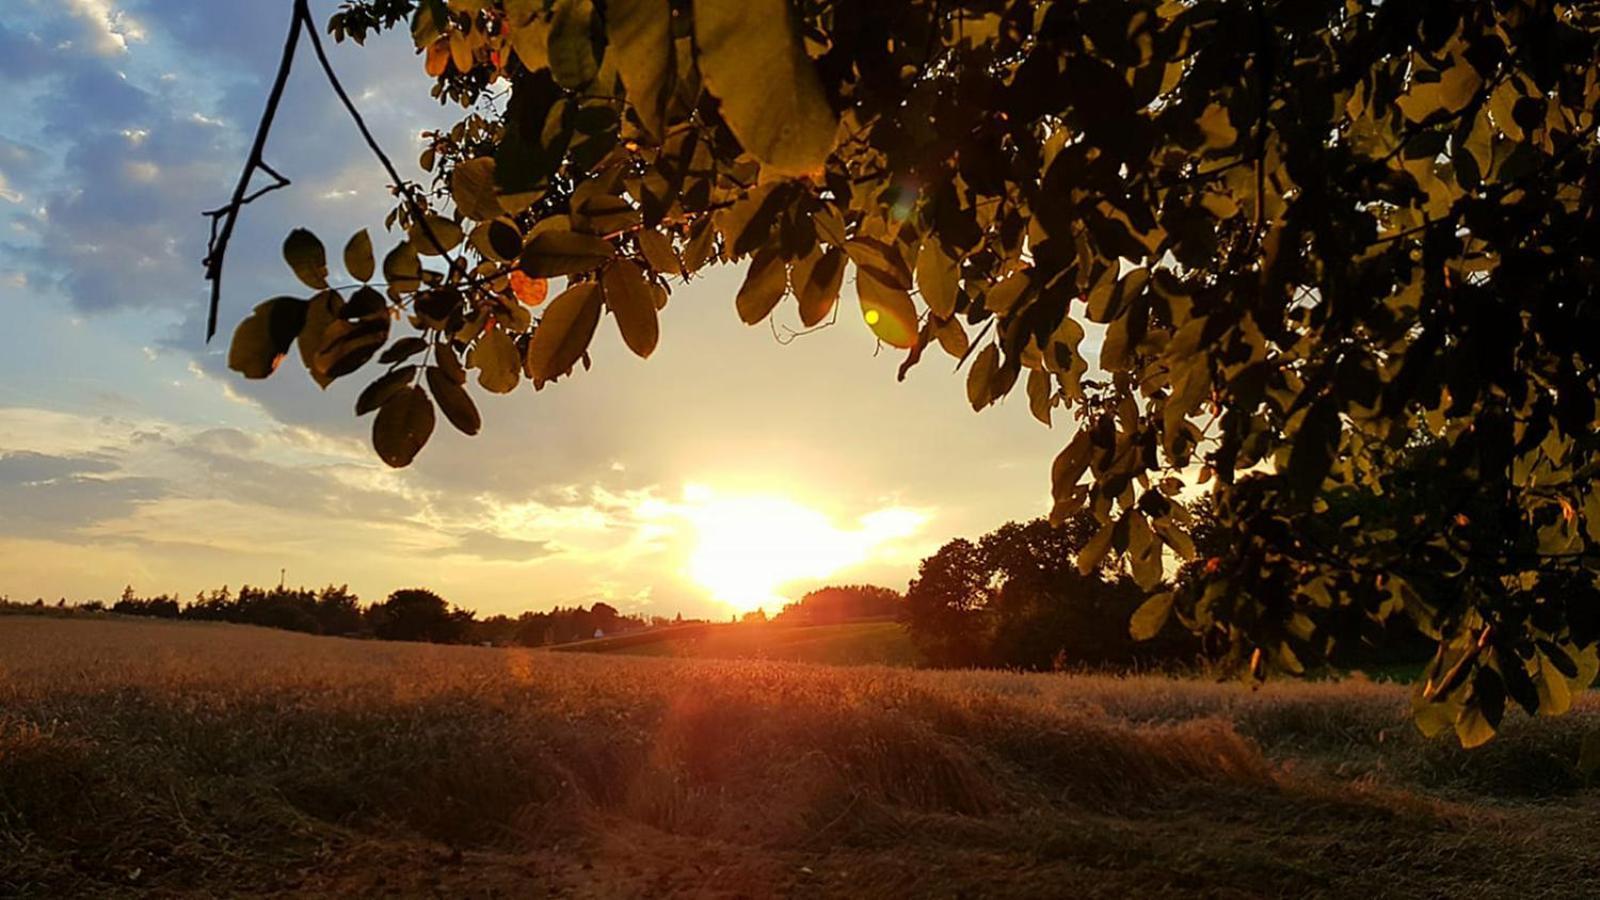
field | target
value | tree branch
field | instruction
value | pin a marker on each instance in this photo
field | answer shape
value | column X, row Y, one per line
column 224, row 218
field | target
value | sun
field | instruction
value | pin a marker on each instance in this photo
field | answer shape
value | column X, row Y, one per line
column 745, row 548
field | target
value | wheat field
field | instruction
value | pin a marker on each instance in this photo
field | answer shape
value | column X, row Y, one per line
column 186, row 759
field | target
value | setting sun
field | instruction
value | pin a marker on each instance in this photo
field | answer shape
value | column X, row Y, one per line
column 745, row 548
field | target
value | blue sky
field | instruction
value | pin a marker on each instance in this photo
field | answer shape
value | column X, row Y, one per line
column 129, row 454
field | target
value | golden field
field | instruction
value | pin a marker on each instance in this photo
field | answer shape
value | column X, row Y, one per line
column 141, row 757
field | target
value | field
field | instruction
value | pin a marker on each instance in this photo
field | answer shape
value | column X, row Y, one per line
column 190, row 759
column 847, row 644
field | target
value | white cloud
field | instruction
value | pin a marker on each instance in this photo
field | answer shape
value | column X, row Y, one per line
column 110, row 29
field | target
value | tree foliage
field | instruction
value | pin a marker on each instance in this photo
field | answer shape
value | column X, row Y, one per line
column 1298, row 233
column 1016, row 598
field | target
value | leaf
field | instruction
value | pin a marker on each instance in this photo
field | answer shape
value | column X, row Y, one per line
column 763, row 287
column 402, row 269
column 494, row 355
column 571, row 45
column 404, row 348
column 658, row 252
column 347, row 345
column 1472, row 727
column 307, row 257
column 1041, row 395
column 1215, row 127
column 454, row 402
column 639, row 32
column 503, row 239
column 403, row 426
column 816, row 280
column 435, row 235
column 882, row 259
column 632, row 301
column 564, row 333
column 263, row 339
column 531, row 41
column 387, row 385
column 937, row 278
column 529, row 291
column 753, row 61
column 1150, row 617
column 322, row 312
column 472, row 185
column 358, row 259
column 1094, row 552
column 1001, row 298
column 1314, row 445
column 981, row 377
column 555, row 253
column 887, row 310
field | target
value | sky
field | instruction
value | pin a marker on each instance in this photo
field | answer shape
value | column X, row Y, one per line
column 727, row 471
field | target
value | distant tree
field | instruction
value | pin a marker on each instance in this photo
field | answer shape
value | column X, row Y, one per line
column 130, row 604
column 1016, row 598
column 842, row 604
column 418, row 614
column 338, row 611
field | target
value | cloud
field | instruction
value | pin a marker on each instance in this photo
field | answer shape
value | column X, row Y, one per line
column 59, row 495
column 110, row 29
column 489, row 546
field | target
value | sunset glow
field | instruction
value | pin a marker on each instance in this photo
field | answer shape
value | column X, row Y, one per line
column 746, row 548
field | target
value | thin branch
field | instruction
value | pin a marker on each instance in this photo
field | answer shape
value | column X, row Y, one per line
column 405, row 188
column 223, row 219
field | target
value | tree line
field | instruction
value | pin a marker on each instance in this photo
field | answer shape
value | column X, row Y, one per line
column 409, row 614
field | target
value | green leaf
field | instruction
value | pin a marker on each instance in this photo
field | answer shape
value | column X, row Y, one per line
column 887, row 310
column 571, row 47
column 639, row 32
column 754, row 62
column 1150, row 617
column 555, row 253
column 358, row 259
column 494, row 355
column 473, row 187
column 403, row 426
column 263, row 339
column 632, row 301
column 564, row 333
column 454, row 402
column 307, row 257
column 763, row 287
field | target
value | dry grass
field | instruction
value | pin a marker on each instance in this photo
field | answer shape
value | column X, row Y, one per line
column 206, row 759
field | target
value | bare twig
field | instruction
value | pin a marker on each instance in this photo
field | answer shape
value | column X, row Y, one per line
column 223, row 218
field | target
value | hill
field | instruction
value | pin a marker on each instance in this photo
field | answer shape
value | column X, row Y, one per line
column 195, row 759
column 845, row 644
